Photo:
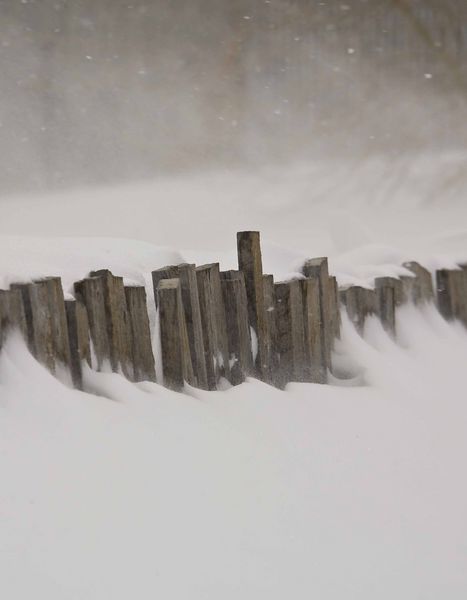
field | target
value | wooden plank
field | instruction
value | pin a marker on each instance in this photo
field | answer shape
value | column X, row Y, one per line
column 78, row 334
column 386, row 299
column 238, row 328
column 290, row 332
column 191, row 306
column 270, row 323
column 176, row 359
column 250, row 263
column 142, row 354
column 419, row 288
column 90, row 293
column 12, row 315
column 318, row 268
column 190, row 298
column 360, row 303
column 334, row 309
column 396, row 285
column 451, row 288
column 214, row 325
column 47, row 330
column 316, row 369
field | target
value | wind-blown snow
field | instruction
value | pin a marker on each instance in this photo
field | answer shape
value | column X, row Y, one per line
column 353, row 490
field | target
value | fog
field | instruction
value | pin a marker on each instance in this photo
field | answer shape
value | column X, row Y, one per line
column 106, row 91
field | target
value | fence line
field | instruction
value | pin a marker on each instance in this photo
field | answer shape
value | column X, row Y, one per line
column 214, row 324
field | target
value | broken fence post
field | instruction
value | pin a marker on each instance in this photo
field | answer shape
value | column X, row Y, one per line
column 451, row 285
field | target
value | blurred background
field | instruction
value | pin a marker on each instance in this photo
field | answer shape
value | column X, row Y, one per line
column 106, row 91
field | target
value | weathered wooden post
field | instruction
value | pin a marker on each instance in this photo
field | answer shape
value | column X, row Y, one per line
column 360, row 303
column 103, row 295
column 46, row 325
column 271, row 327
column 386, row 304
column 334, row 309
column 290, row 332
column 78, row 334
column 214, row 325
column 316, row 369
column 238, row 329
column 12, row 314
column 318, row 268
column 451, row 288
column 176, row 359
column 419, row 288
column 250, row 263
column 143, row 357
column 191, row 306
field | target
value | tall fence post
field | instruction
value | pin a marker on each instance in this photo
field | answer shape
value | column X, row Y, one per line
column 250, row 263
column 451, row 288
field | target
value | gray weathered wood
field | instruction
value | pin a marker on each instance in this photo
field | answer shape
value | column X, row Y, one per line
column 396, row 284
column 290, row 332
column 46, row 325
column 386, row 303
column 103, row 294
column 334, row 309
column 191, row 306
column 316, row 368
column 250, row 263
column 318, row 268
column 452, row 294
column 419, row 288
column 190, row 298
column 142, row 354
column 360, row 303
column 271, row 328
column 78, row 334
column 176, row 359
column 12, row 316
column 238, row 328
column 90, row 293
column 168, row 272
column 214, row 325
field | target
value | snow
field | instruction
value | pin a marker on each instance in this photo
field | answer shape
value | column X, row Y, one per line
column 350, row 490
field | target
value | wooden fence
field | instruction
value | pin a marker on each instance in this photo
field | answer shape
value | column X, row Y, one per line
column 213, row 324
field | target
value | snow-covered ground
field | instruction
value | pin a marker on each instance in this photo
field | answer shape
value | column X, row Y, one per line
column 354, row 490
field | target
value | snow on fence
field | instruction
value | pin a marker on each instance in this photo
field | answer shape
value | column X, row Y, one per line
column 213, row 324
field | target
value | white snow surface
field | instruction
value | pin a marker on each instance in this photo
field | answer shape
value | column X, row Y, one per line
column 354, row 490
